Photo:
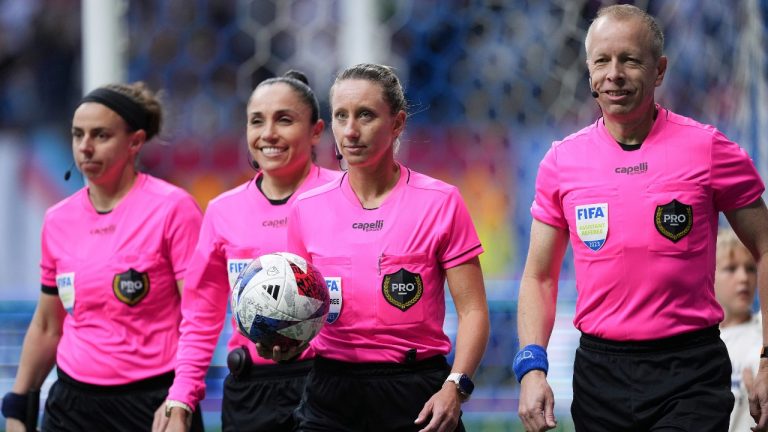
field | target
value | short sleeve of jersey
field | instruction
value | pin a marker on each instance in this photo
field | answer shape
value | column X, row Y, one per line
column 734, row 179
column 181, row 232
column 461, row 241
column 547, row 206
column 47, row 264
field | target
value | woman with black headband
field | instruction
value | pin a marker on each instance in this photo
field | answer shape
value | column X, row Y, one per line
column 113, row 256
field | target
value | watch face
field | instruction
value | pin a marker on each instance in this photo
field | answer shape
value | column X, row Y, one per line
column 466, row 384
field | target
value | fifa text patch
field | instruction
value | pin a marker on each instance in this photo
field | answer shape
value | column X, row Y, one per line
column 334, row 291
column 592, row 224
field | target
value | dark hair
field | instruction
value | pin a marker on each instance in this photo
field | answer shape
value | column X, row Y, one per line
column 382, row 75
column 300, row 84
column 147, row 99
column 625, row 11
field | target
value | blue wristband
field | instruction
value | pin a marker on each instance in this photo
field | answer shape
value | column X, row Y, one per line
column 531, row 357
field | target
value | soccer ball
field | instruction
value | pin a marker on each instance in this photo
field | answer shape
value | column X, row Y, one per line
column 280, row 299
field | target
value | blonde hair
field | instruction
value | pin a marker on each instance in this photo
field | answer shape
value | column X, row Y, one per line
column 727, row 242
column 624, row 12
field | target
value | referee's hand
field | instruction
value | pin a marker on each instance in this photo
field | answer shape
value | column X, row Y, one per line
column 758, row 397
column 278, row 354
column 537, row 403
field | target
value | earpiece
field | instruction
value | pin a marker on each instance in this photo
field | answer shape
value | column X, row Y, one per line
column 594, row 93
column 68, row 173
column 338, row 154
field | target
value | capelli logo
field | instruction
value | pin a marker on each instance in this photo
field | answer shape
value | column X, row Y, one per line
column 369, row 226
column 109, row 229
column 275, row 223
column 640, row 168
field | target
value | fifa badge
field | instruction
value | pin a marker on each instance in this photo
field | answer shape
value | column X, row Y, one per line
column 234, row 266
column 65, row 283
column 334, row 290
column 592, row 224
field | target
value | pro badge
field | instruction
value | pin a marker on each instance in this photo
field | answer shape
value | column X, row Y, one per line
column 673, row 220
column 402, row 289
column 130, row 286
column 592, row 224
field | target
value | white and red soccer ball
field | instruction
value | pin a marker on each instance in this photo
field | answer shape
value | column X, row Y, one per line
column 280, row 299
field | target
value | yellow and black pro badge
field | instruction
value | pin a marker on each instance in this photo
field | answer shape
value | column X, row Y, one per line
column 674, row 220
column 130, row 286
column 402, row 289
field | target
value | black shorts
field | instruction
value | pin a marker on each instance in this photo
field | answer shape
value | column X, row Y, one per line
column 76, row 406
column 263, row 397
column 682, row 383
column 369, row 397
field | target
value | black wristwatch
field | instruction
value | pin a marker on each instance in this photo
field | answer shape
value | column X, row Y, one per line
column 464, row 384
column 764, row 352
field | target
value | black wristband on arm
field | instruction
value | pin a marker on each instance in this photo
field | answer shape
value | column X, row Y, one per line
column 15, row 406
column 23, row 408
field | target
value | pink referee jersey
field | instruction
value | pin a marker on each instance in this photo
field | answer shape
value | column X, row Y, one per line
column 388, row 264
column 116, row 275
column 643, row 223
column 238, row 226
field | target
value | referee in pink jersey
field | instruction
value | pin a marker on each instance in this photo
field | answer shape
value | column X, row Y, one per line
column 284, row 126
column 113, row 258
column 386, row 238
column 637, row 194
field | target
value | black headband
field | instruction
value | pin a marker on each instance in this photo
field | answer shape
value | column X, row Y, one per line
column 133, row 113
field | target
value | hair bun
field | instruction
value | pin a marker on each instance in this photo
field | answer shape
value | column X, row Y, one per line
column 299, row 76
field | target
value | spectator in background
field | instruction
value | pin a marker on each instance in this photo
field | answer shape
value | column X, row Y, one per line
column 113, row 258
column 741, row 330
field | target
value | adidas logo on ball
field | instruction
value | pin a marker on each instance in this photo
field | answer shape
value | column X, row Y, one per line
column 295, row 308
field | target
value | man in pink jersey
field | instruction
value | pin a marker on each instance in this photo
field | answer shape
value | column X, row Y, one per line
column 242, row 224
column 113, row 259
column 386, row 239
column 638, row 194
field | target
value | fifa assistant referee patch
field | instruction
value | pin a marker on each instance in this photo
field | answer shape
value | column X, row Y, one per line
column 65, row 283
column 402, row 289
column 334, row 291
column 592, row 224
column 673, row 220
column 234, row 266
column 130, row 286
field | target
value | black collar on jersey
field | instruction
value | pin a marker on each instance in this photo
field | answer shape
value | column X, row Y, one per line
column 281, row 201
column 633, row 147
column 131, row 111
column 629, row 147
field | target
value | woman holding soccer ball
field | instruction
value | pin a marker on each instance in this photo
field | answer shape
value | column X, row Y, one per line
column 393, row 239
column 240, row 225
column 113, row 258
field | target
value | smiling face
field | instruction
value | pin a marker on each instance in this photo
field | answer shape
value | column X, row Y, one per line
column 280, row 132
column 622, row 67
column 102, row 145
column 363, row 125
column 735, row 281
